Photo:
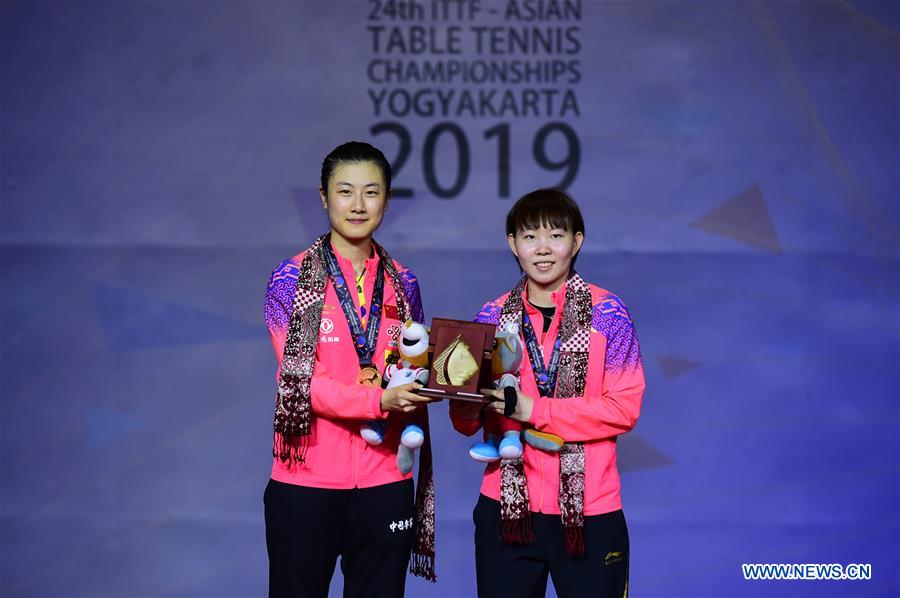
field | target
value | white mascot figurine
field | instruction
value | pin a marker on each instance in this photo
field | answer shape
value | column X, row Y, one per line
column 413, row 367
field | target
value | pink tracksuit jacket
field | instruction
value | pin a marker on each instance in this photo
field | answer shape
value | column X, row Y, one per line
column 610, row 406
column 338, row 457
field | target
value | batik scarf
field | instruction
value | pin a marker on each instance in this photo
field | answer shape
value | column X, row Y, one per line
column 574, row 338
column 293, row 409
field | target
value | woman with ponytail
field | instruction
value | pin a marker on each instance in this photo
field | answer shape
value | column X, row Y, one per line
column 334, row 313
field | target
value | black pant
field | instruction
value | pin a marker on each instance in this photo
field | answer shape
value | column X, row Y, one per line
column 307, row 528
column 520, row 571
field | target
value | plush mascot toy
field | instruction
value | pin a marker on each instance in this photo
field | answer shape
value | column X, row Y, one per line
column 413, row 367
column 502, row 434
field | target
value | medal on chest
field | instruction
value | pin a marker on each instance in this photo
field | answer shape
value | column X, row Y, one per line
column 544, row 376
column 366, row 338
column 368, row 376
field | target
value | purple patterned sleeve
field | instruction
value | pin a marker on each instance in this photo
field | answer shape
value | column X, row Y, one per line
column 411, row 289
column 490, row 313
column 610, row 318
column 280, row 295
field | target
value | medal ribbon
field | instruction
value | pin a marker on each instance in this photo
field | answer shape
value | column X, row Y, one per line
column 545, row 379
column 363, row 340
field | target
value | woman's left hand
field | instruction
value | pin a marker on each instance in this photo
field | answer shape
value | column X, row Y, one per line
column 524, row 404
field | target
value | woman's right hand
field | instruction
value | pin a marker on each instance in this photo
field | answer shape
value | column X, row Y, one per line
column 401, row 398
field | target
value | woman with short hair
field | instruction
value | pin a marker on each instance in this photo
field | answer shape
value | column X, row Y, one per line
column 556, row 510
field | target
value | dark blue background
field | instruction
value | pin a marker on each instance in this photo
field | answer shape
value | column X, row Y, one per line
column 739, row 180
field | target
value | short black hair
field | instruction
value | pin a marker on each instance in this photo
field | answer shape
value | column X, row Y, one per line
column 551, row 208
column 355, row 151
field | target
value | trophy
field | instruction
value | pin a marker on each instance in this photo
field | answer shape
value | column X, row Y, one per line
column 461, row 360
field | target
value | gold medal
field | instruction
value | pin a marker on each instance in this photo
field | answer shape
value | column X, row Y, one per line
column 368, row 376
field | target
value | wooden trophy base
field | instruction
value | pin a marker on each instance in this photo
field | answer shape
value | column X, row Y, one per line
column 470, row 397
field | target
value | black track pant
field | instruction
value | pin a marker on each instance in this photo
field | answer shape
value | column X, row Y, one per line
column 521, row 571
column 308, row 528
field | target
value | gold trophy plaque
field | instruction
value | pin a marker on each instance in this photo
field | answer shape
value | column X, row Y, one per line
column 461, row 360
